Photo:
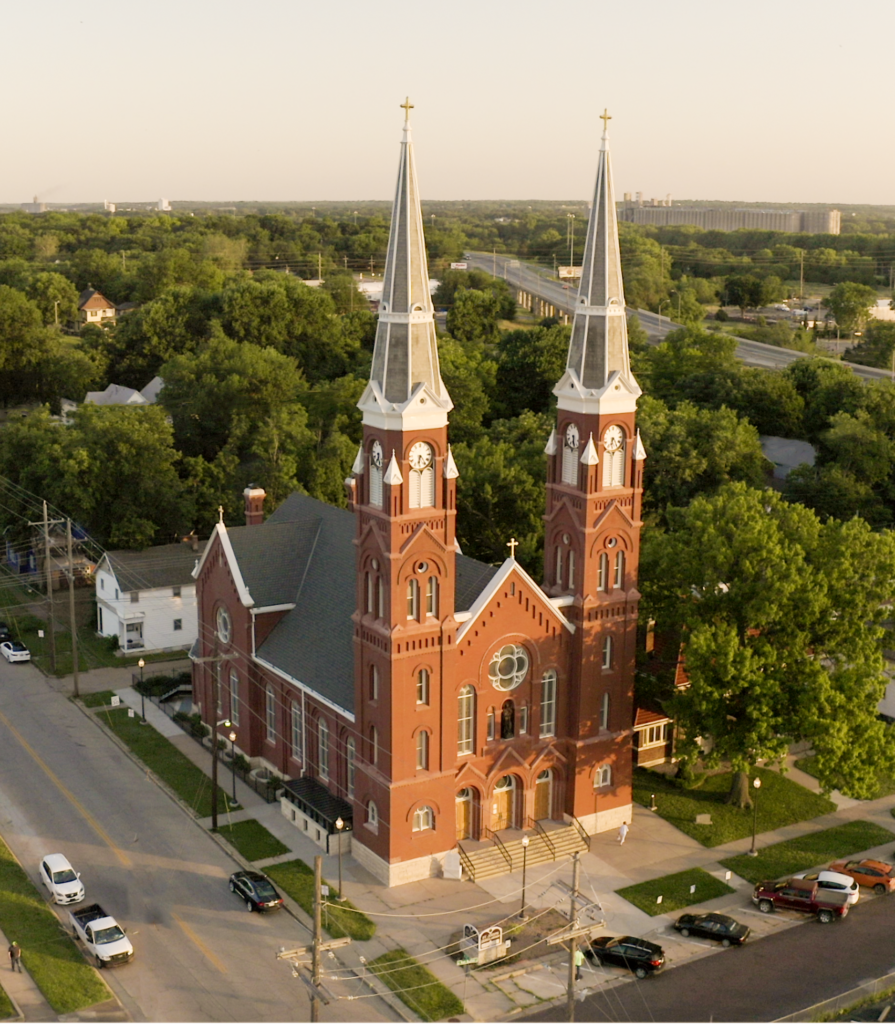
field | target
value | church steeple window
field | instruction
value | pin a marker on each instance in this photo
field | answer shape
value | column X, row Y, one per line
column 570, row 446
column 413, row 599
column 380, row 597
column 571, row 570
column 376, row 474
column 558, row 565
column 432, row 596
column 607, row 652
column 614, row 444
column 619, row 581
column 604, row 712
column 422, row 476
column 603, row 572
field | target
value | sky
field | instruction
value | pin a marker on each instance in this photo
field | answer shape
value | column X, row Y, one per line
column 292, row 100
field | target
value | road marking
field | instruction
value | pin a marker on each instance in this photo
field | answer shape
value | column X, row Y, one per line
column 200, row 945
column 66, row 792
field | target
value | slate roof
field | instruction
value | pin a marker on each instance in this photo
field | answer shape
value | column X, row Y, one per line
column 305, row 554
column 168, row 565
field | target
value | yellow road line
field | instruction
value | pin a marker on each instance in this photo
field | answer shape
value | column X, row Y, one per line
column 200, row 945
column 95, row 825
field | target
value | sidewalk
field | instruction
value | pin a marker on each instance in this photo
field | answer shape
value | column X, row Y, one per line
column 422, row 916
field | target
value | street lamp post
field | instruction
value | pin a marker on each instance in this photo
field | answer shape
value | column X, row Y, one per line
column 339, row 826
column 525, row 842
column 233, row 762
column 142, row 663
column 756, row 785
column 214, row 771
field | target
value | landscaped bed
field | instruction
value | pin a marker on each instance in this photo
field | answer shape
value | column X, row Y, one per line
column 416, row 986
column 175, row 769
column 675, row 891
column 252, row 840
column 813, row 850
column 49, row 955
column 780, row 802
column 296, row 879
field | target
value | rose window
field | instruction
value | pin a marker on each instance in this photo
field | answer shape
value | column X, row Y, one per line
column 508, row 667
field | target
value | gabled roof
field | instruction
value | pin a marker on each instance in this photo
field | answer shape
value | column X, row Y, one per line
column 116, row 394
column 645, row 716
column 168, row 565
column 90, row 298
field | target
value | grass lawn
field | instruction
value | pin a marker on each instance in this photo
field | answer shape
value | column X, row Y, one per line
column 6, row 1009
column 780, row 802
column 675, row 891
column 48, row 954
column 252, row 840
column 416, row 986
column 296, row 879
column 885, row 786
column 191, row 784
column 100, row 699
column 786, row 858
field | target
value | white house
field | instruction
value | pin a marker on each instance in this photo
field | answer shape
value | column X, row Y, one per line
column 148, row 598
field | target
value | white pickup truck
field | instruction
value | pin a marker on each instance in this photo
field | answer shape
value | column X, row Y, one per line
column 102, row 935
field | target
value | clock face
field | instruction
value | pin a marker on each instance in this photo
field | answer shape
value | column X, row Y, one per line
column 376, row 455
column 420, row 455
column 613, row 438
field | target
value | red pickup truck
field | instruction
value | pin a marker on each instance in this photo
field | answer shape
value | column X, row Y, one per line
column 800, row 894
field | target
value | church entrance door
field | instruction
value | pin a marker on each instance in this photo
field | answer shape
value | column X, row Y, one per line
column 504, row 807
column 465, row 805
column 544, row 795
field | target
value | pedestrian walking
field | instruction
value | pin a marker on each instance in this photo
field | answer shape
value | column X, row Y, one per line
column 622, row 833
column 15, row 957
column 579, row 963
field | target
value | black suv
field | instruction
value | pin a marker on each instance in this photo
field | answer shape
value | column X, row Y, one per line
column 638, row 955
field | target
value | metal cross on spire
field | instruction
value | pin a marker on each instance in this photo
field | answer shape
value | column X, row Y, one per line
column 221, row 514
column 406, row 106
column 512, row 544
column 605, row 117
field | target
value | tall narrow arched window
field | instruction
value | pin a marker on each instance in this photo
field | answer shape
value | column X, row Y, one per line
column 604, row 712
column 614, row 448
column 368, row 591
column 571, row 569
column 619, row 580
column 374, row 745
column 466, row 720
column 296, row 731
column 422, row 686
column 270, row 714
column 607, row 652
column 603, row 572
column 413, row 598
column 570, row 455
column 372, row 815
column 376, row 474
column 489, row 724
column 422, row 750
column 374, row 683
column 558, row 573
column 421, row 485
column 548, row 704
column 323, row 748
column 234, row 698
column 380, row 597
column 432, row 596
column 350, row 755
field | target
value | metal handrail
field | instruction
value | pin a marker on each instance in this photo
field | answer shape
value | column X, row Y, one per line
column 495, row 838
column 581, row 830
column 466, row 862
column 542, row 832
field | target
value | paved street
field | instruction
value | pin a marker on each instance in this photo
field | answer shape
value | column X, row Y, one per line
column 65, row 787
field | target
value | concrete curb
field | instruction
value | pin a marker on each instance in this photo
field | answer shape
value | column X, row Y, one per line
column 16, row 1007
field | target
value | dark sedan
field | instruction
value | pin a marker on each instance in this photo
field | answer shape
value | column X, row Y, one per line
column 257, row 891
column 638, row 955
column 719, row 927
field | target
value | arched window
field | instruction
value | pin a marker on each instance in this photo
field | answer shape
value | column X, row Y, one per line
column 376, row 475
column 374, row 745
column 270, row 714
column 607, row 652
column 604, row 712
column 489, row 726
column 603, row 776
column 571, row 570
column 614, row 448
column 372, row 815
column 323, row 748
column 422, row 686
column 380, row 597
column 422, row 750
column 421, row 490
column 374, row 683
column 432, row 596
column 423, row 819
column 619, row 581
column 548, row 704
column 234, row 698
column 603, row 572
column 296, row 731
column 508, row 720
column 413, row 599
column 368, row 590
column 350, row 755
column 570, row 456
column 558, row 574
column 466, row 720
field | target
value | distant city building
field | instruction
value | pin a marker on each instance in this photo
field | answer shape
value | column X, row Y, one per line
column 108, row 207
column 35, row 207
column 882, row 310
column 163, row 205
column 661, row 213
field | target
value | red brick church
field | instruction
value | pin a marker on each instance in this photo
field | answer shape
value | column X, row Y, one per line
column 427, row 699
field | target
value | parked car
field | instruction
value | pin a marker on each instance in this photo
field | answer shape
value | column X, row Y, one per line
column 638, row 955
column 719, row 927
column 875, row 874
column 834, row 880
column 14, row 650
column 802, row 895
column 61, row 879
column 257, row 891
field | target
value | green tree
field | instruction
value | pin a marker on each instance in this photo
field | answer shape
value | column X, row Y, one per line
column 530, row 362
column 54, row 295
column 743, row 290
column 782, row 622
column 876, row 347
column 473, row 317
column 850, row 304
column 469, row 377
column 834, row 492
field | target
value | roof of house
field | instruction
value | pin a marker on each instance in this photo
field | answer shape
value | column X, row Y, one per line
column 90, row 298
column 305, row 554
column 116, row 394
column 168, row 565
column 645, row 716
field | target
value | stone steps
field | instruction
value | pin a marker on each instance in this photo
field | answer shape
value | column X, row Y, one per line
column 489, row 861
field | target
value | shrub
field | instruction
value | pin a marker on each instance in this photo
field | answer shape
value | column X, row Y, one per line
column 722, row 315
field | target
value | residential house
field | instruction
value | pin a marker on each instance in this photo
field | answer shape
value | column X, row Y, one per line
column 95, row 308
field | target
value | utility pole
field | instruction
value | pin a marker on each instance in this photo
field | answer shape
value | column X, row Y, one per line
column 319, row 266
column 215, row 661
column 49, row 575
column 573, row 941
column 315, row 948
column 494, row 263
column 801, row 275
column 71, row 611
column 56, row 312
